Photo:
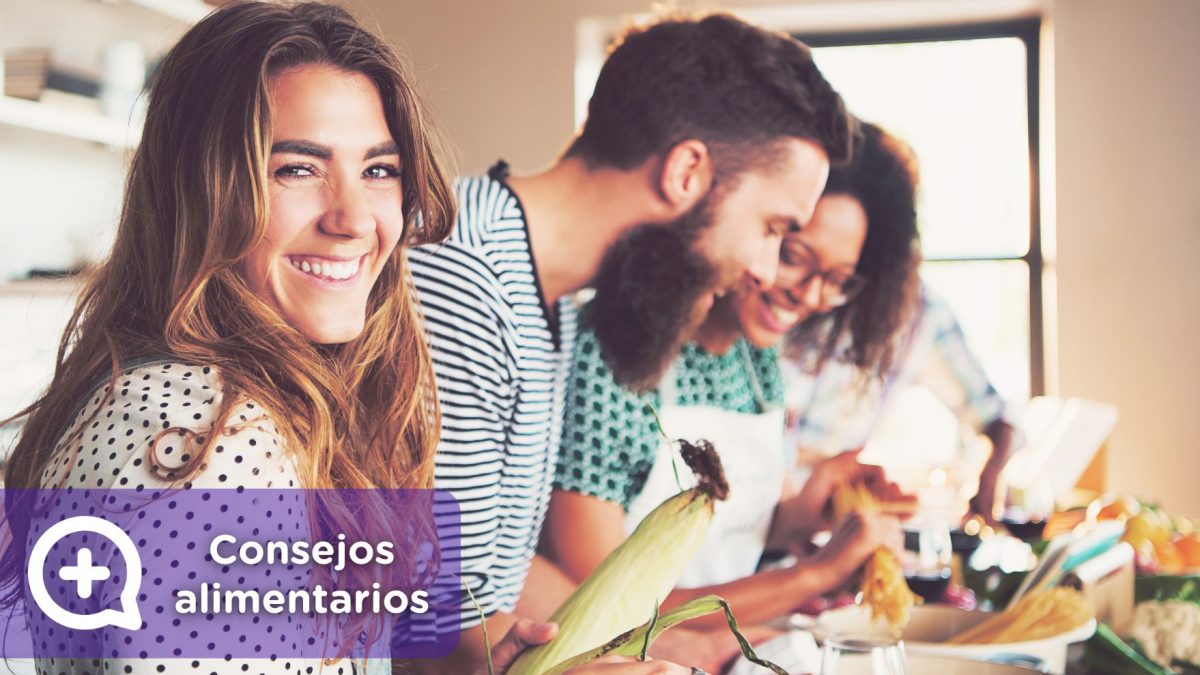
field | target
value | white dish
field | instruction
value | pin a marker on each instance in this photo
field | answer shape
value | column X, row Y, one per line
column 932, row 625
column 921, row 664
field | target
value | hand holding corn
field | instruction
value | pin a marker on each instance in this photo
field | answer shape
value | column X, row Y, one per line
column 607, row 615
column 523, row 635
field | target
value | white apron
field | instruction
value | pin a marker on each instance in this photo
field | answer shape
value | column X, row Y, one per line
column 751, row 450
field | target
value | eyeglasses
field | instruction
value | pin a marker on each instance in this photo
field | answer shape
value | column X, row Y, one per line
column 836, row 289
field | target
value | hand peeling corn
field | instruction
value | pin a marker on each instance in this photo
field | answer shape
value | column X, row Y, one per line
column 623, row 592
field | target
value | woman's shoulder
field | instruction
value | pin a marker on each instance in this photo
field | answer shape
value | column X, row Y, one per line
column 165, row 422
column 592, row 384
column 157, row 396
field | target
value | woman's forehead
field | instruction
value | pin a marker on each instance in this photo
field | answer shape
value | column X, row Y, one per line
column 835, row 234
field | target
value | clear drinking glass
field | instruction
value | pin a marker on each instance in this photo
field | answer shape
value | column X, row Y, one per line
column 927, row 558
column 863, row 656
column 1028, row 506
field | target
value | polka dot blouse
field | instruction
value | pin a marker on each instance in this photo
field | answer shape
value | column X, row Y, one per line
column 112, row 434
column 610, row 438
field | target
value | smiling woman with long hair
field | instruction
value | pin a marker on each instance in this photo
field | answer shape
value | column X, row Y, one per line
column 199, row 272
column 254, row 326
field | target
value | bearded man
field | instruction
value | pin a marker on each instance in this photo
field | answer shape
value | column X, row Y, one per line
column 707, row 140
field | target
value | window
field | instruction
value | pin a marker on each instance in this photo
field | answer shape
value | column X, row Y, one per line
column 965, row 99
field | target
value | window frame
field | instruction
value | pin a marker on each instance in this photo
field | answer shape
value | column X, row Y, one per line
column 1028, row 30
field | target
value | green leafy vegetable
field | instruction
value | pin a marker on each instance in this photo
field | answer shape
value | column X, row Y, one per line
column 1167, row 587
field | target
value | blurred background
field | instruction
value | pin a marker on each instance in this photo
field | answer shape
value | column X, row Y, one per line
column 1056, row 141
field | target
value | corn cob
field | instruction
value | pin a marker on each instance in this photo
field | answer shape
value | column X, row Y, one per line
column 634, row 579
column 884, row 589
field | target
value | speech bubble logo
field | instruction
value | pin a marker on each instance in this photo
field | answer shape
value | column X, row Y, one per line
column 84, row 574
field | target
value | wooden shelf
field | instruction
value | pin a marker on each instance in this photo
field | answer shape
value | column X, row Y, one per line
column 67, row 122
column 94, row 126
column 29, row 287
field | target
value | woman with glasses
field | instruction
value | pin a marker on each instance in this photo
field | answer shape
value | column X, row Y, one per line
column 846, row 276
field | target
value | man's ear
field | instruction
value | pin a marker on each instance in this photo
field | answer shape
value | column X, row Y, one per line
column 686, row 175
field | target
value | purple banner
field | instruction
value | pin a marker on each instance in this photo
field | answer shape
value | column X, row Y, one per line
column 234, row 574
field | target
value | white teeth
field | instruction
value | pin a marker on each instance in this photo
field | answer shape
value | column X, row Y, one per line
column 337, row 271
column 784, row 316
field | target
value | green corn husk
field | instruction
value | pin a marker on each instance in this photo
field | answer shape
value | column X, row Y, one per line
column 635, row 578
column 638, row 640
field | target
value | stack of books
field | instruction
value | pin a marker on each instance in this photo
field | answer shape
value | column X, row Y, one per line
column 25, row 73
column 33, row 75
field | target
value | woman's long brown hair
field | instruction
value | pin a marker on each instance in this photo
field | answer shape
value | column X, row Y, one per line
column 357, row 415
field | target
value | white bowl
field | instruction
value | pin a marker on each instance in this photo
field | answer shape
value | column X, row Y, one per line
column 919, row 664
column 932, row 625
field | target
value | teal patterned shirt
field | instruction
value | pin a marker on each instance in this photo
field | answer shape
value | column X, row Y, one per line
column 610, row 437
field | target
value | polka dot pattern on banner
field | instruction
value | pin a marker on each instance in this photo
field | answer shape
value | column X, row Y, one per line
column 108, row 446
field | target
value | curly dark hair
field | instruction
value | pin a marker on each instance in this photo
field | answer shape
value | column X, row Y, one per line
column 714, row 78
column 882, row 176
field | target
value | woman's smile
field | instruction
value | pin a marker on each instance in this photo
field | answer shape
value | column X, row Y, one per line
column 333, row 271
column 775, row 317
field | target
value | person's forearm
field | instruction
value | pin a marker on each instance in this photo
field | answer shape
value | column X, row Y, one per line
column 546, row 587
column 785, row 526
column 1001, row 434
column 761, row 597
column 793, row 523
column 783, row 529
column 579, row 532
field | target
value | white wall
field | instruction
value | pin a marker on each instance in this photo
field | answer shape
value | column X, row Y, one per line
column 499, row 76
column 1128, row 214
column 62, row 198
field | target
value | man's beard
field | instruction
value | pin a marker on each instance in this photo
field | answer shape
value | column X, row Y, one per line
column 649, row 292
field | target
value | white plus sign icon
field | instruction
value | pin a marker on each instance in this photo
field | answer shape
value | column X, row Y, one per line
column 85, row 575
